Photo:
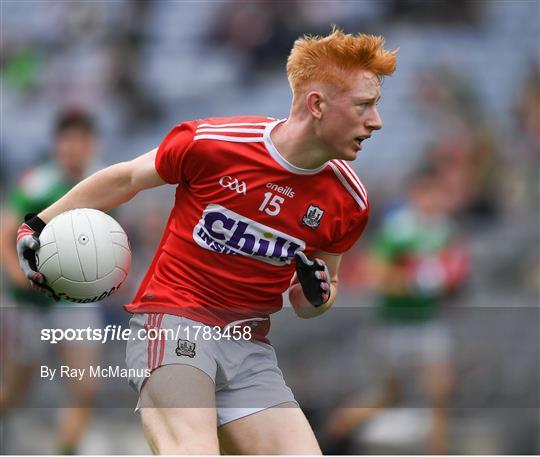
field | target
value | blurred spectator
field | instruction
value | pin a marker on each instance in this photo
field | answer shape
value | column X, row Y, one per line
column 262, row 31
column 126, row 60
column 442, row 11
column 528, row 113
column 39, row 187
column 21, row 67
column 464, row 150
column 105, row 54
column 523, row 151
column 417, row 262
column 524, row 175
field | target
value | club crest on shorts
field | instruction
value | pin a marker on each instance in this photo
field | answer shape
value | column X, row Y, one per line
column 186, row 348
column 313, row 216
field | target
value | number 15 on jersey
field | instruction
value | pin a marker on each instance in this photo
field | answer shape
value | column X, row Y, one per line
column 271, row 204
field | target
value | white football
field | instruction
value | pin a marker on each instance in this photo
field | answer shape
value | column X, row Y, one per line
column 84, row 254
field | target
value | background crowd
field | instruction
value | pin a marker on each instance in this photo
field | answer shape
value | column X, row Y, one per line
column 453, row 180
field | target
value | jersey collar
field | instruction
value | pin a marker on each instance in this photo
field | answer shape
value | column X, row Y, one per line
column 280, row 159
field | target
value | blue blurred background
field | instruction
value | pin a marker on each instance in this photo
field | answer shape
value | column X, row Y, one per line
column 464, row 101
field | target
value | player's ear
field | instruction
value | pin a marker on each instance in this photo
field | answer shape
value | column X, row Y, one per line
column 315, row 102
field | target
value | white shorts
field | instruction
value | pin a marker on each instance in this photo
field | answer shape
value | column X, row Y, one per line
column 245, row 372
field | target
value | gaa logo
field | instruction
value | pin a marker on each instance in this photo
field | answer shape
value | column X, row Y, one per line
column 226, row 232
column 233, row 184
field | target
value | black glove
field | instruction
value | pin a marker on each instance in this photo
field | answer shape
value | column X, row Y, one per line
column 314, row 277
column 27, row 246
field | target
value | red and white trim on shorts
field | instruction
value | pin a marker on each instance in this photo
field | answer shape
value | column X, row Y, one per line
column 156, row 346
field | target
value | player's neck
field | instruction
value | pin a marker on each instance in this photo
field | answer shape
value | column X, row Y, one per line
column 295, row 142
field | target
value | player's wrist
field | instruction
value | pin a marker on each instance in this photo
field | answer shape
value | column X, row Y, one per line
column 303, row 308
column 314, row 278
column 34, row 222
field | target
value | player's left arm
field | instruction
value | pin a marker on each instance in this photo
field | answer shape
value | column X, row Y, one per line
column 322, row 262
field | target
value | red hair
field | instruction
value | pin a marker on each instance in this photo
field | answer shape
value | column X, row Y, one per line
column 331, row 58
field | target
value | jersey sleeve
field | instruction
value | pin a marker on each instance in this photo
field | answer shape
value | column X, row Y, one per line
column 171, row 155
column 349, row 233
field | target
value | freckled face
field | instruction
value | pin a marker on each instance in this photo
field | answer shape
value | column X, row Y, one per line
column 349, row 117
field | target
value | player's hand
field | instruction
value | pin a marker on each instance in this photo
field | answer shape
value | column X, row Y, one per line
column 27, row 246
column 314, row 277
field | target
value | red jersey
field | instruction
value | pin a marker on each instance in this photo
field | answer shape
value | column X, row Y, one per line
column 241, row 213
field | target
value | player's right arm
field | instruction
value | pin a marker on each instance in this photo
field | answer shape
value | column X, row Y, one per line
column 109, row 187
column 104, row 191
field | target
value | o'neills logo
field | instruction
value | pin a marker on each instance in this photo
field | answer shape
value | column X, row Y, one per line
column 224, row 231
column 287, row 191
column 104, row 294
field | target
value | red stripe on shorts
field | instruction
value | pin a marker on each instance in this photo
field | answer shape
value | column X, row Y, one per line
column 161, row 349
column 156, row 340
column 148, row 327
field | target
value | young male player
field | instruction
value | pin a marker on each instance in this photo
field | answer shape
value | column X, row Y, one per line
column 72, row 155
column 256, row 200
column 418, row 261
